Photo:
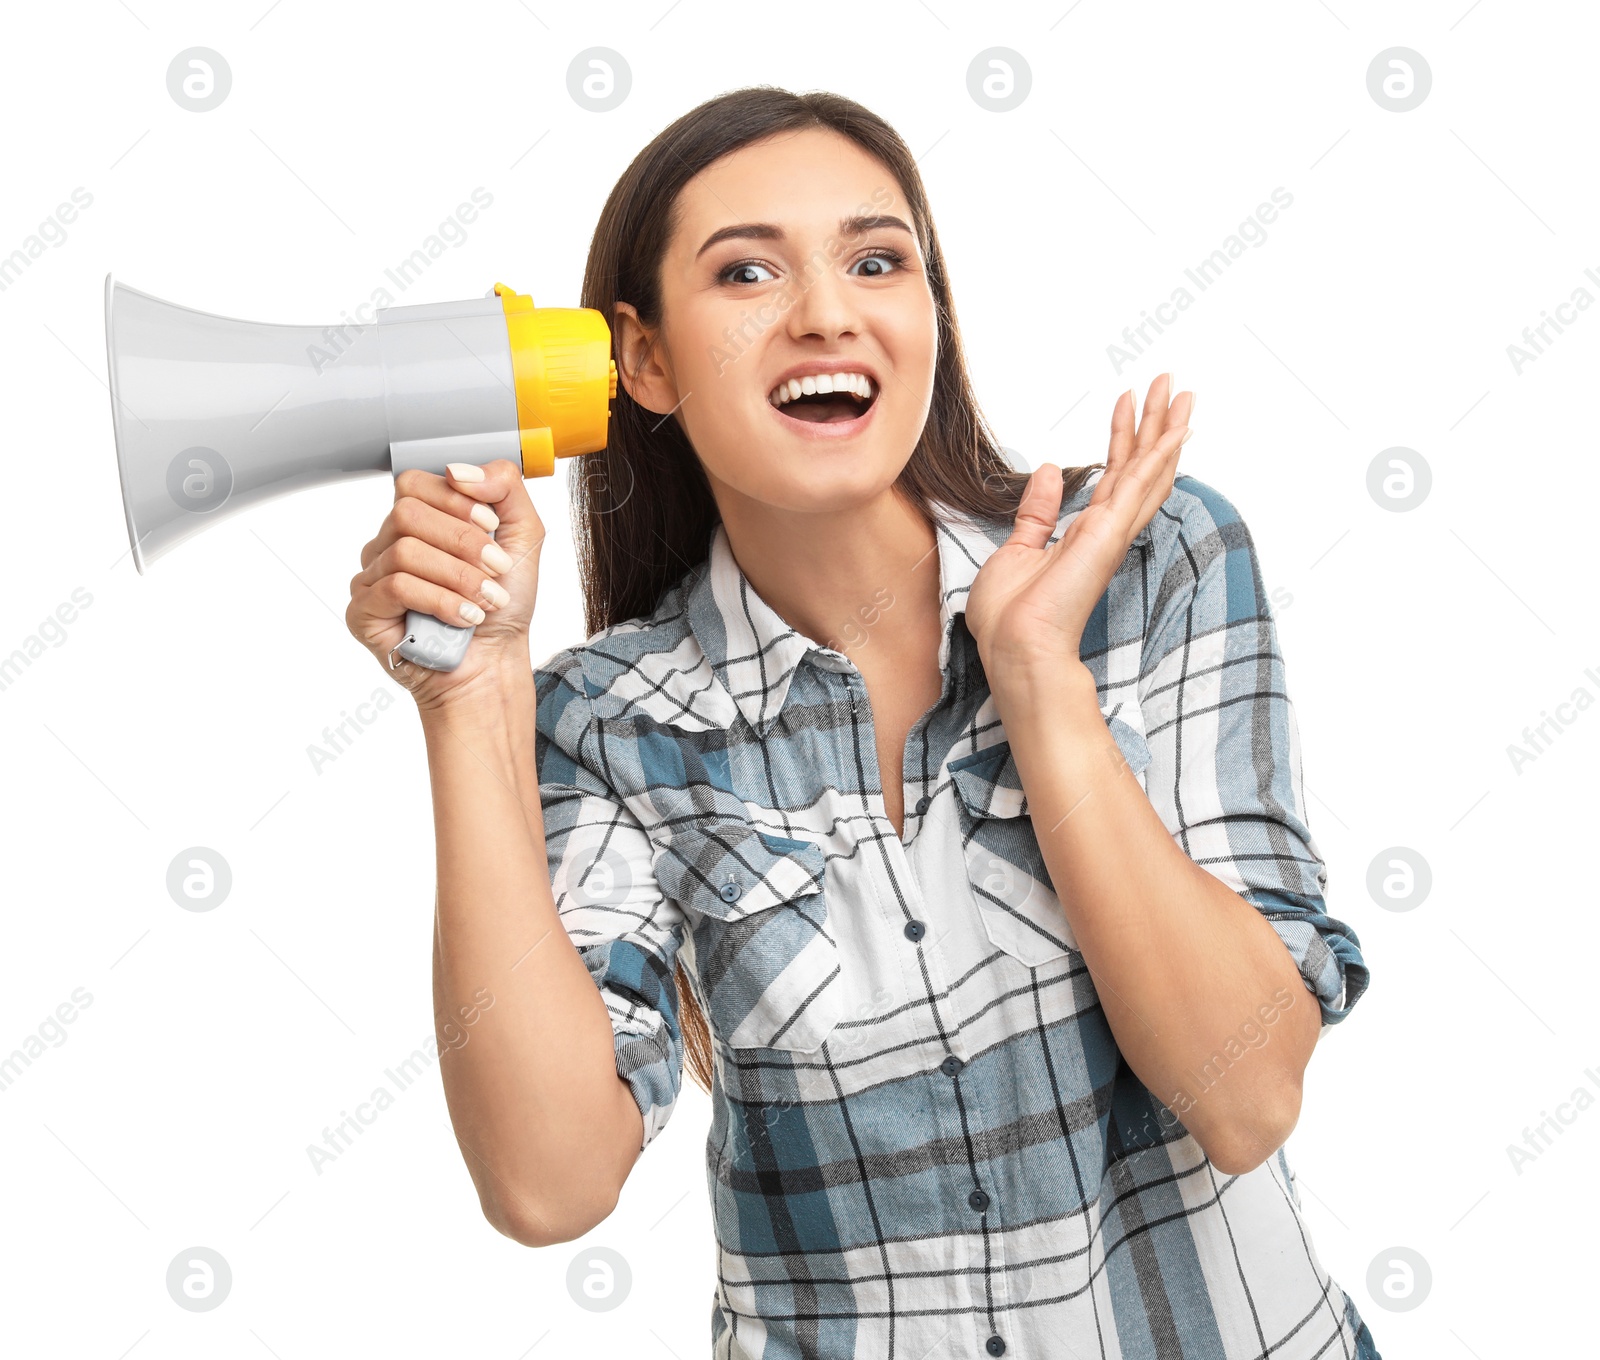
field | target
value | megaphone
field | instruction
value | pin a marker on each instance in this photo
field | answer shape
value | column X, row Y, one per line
column 212, row 415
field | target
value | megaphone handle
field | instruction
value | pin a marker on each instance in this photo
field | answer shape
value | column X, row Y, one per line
column 430, row 643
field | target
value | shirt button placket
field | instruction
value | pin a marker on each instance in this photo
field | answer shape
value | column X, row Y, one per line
column 978, row 1200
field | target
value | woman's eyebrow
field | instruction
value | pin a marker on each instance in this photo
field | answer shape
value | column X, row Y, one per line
column 765, row 231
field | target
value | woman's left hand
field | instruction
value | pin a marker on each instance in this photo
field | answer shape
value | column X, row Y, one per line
column 1029, row 602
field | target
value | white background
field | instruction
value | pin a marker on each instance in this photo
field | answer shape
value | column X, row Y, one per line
column 179, row 707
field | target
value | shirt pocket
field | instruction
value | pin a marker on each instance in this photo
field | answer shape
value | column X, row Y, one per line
column 1011, row 886
column 757, row 907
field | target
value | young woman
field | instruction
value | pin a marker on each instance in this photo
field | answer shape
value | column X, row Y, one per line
column 945, row 822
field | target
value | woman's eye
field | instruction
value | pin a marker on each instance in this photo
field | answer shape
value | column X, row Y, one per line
column 884, row 262
column 882, row 259
column 743, row 265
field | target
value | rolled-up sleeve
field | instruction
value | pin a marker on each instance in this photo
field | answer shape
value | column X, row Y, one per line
column 624, row 927
column 1225, row 769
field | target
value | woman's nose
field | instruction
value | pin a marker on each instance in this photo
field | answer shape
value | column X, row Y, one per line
column 825, row 306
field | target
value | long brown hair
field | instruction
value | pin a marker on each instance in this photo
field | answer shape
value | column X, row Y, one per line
column 642, row 509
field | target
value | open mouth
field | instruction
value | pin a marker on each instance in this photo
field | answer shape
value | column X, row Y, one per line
column 826, row 399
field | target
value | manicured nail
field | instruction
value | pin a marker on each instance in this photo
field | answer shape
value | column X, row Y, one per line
column 496, row 558
column 1192, row 400
column 1185, row 438
column 496, row 594
column 464, row 472
column 484, row 518
column 471, row 613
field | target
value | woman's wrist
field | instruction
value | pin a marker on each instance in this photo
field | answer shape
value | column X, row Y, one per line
column 485, row 695
column 1021, row 681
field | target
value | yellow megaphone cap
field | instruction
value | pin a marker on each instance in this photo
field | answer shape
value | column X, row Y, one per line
column 565, row 379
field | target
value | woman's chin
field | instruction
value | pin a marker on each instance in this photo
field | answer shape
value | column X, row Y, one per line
column 831, row 490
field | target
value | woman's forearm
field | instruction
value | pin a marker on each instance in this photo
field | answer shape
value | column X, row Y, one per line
column 1182, row 963
column 547, row 1128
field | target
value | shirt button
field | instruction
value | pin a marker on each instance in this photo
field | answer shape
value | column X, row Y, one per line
column 995, row 1345
column 979, row 1201
column 915, row 930
column 729, row 891
column 951, row 1065
column 922, row 804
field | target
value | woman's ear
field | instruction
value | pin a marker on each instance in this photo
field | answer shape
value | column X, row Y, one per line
column 639, row 366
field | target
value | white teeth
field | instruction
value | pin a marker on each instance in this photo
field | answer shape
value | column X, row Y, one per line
column 857, row 384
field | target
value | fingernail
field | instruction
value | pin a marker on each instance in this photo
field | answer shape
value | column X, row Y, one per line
column 471, row 613
column 484, row 518
column 1192, row 400
column 496, row 594
column 1185, row 438
column 464, row 472
column 496, row 558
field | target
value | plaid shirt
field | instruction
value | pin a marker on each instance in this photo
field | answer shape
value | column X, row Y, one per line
column 924, row 1140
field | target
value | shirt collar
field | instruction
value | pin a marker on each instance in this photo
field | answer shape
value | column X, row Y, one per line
column 755, row 654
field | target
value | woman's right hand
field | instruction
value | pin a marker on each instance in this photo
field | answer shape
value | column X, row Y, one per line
column 429, row 555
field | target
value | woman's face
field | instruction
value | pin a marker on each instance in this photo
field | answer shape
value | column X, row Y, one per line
column 789, row 259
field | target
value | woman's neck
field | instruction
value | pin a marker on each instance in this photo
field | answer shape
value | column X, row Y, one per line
column 864, row 581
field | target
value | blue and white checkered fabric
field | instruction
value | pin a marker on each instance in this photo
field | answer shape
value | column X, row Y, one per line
column 925, row 1142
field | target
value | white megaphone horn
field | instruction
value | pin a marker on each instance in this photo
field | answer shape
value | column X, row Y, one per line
column 212, row 415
